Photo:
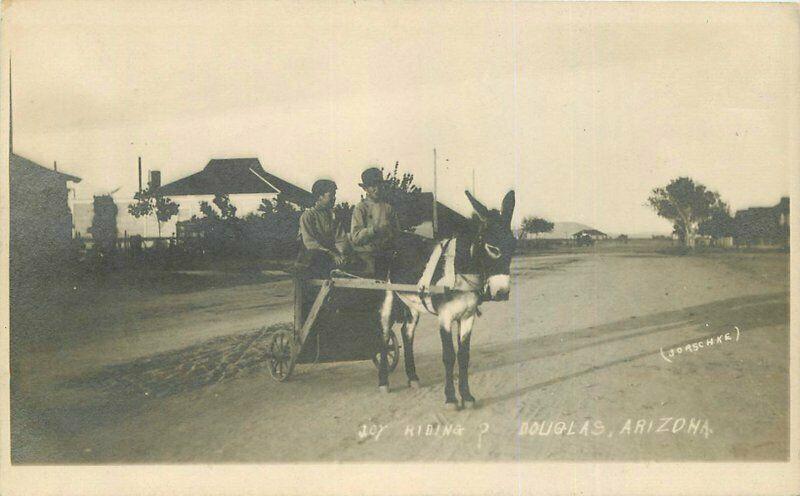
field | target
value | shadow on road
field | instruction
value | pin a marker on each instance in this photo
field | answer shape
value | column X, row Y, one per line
column 747, row 313
column 186, row 369
column 226, row 357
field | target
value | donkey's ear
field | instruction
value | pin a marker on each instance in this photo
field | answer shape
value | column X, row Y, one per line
column 508, row 207
column 479, row 207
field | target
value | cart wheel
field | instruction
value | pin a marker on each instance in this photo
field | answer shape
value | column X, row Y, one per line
column 392, row 353
column 280, row 355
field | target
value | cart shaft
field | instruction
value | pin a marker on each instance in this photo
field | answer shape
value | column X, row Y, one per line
column 375, row 284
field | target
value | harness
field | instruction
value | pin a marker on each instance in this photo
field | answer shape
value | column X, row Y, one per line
column 446, row 249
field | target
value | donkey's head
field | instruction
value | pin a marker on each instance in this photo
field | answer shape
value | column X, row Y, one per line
column 494, row 246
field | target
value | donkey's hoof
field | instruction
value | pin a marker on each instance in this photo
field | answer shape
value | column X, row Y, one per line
column 468, row 404
column 451, row 406
column 414, row 384
column 383, row 389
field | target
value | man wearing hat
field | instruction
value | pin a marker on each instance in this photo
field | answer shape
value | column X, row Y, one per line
column 373, row 226
column 324, row 241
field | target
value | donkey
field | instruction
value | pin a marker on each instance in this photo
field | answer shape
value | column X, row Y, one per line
column 483, row 251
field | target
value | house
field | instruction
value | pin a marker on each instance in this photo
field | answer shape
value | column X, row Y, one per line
column 562, row 231
column 763, row 225
column 40, row 217
column 594, row 234
column 244, row 180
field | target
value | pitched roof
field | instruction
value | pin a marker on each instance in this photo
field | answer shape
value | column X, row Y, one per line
column 418, row 208
column 21, row 165
column 235, row 176
column 781, row 207
column 590, row 232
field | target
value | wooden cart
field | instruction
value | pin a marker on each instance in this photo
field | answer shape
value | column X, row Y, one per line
column 335, row 320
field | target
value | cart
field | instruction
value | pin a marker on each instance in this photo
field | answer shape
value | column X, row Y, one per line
column 336, row 320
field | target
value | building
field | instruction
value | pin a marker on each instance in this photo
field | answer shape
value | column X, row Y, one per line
column 593, row 234
column 418, row 213
column 763, row 225
column 244, row 180
column 40, row 215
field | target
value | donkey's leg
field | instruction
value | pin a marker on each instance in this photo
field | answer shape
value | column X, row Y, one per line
column 386, row 327
column 464, row 335
column 410, row 324
column 449, row 359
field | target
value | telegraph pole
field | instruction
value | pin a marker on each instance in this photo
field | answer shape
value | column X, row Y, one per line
column 10, row 114
column 473, row 182
column 435, row 213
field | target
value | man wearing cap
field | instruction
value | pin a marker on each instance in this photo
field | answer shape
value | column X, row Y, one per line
column 323, row 239
column 373, row 226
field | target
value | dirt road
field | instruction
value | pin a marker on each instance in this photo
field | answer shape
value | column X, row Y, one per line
column 580, row 364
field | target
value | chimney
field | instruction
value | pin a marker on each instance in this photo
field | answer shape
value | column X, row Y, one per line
column 155, row 180
column 140, row 174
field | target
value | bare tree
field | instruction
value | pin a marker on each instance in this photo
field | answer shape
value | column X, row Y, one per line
column 151, row 202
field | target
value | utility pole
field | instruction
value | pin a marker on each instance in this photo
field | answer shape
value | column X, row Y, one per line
column 473, row 182
column 140, row 174
column 10, row 114
column 435, row 213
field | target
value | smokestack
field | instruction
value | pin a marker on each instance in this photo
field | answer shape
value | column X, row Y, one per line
column 155, row 180
column 140, row 174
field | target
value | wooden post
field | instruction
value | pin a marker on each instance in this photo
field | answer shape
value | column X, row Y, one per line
column 473, row 183
column 311, row 318
column 10, row 114
column 435, row 220
column 299, row 286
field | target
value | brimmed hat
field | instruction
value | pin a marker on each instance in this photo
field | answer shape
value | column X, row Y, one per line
column 371, row 177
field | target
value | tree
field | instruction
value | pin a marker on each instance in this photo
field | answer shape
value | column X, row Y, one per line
column 227, row 210
column 152, row 202
column 686, row 204
column 266, row 208
column 536, row 225
column 208, row 211
column 343, row 213
column 720, row 224
column 280, row 206
column 401, row 192
column 397, row 186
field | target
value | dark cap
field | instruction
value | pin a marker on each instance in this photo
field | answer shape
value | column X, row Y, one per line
column 371, row 177
column 322, row 186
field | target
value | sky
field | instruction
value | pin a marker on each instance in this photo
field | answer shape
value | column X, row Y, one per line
column 582, row 109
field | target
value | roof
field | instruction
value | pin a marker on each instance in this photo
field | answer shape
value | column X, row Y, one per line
column 781, row 207
column 419, row 208
column 235, row 176
column 590, row 232
column 19, row 164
